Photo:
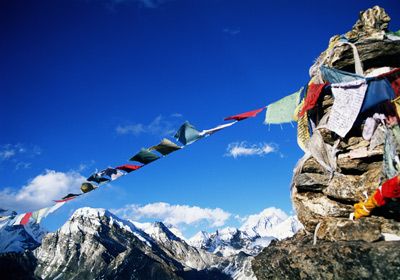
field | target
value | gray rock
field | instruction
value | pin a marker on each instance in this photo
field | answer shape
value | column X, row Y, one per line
column 340, row 229
column 313, row 182
column 350, row 188
column 297, row 258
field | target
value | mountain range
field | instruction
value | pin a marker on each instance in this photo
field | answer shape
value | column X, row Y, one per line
column 94, row 243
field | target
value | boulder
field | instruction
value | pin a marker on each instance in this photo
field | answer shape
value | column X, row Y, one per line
column 298, row 258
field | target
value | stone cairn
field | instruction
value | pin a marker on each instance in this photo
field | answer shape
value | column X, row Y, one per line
column 326, row 198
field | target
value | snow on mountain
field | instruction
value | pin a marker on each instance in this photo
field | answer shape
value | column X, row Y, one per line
column 264, row 223
column 200, row 240
column 93, row 217
column 19, row 238
column 255, row 234
column 225, row 242
column 153, row 228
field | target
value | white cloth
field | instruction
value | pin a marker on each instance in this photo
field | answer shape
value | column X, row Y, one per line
column 378, row 138
column 215, row 129
column 116, row 176
column 349, row 98
column 357, row 62
column 44, row 212
column 18, row 219
column 371, row 124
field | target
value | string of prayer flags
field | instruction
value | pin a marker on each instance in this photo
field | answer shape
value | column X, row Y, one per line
column 128, row 168
column 187, row 134
column 165, row 147
column 349, row 98
column 282, row 110
column 87, row 187
column 208, row 132
column 245, row 115
column 313, row 93
column 144, row 156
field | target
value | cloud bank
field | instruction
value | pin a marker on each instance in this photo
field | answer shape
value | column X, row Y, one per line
column 41, row 190
column 174, row 214
column 160, row 126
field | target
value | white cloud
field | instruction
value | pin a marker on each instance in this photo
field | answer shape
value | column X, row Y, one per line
column 160, row 126
column 231, row 31
column 238, row 149
column 18, row 154
column 11, row 151
column 23, row 165
column 41, row 190
column 6, row 154
column 174, row 214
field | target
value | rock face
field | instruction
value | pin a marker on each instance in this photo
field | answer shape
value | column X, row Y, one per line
column 297, row 258
column 324, row 198
column 96, row 244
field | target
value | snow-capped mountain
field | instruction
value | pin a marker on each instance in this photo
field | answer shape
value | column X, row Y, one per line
column 19, row 238
column 265, row 223
column 225, row 242
column 94, row 243
column 255, row 234
column 177, row 247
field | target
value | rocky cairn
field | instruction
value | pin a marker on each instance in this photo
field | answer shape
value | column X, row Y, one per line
column 332, row 246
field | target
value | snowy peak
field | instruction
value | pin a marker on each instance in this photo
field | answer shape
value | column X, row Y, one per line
column 255, row 234
column 264, row 223
column 200, row 239
column 90, row 220
column 158, row 231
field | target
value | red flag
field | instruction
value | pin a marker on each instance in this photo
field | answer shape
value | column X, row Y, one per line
column 244, row 116
column 128, row 167
column 313, row 92
column 394, row 78
column 25, row 219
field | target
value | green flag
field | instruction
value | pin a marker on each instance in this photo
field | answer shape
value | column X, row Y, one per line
column 282, row 110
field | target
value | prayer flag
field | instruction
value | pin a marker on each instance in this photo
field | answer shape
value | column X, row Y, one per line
column 68, row 197
column 394, row 79
column 165, row 147
column 144, row 156
column 245, row 115
column 129, row 167
column 87, row 187
column 187, row 134
column 98, row 178
column 349, row 97
column 378, row 91
column 215, row 129
column 282, row 110
column 313, row 93
column 335, row 76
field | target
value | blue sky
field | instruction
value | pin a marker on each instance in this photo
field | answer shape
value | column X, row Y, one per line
column 86, row 84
